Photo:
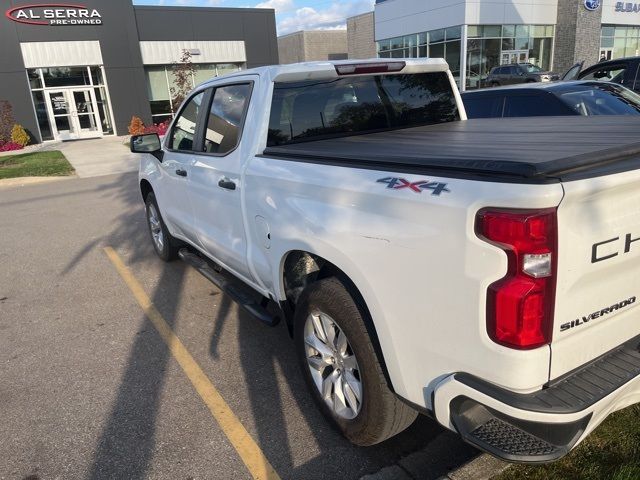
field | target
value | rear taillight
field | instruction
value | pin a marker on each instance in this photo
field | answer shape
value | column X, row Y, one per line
column 520, row 305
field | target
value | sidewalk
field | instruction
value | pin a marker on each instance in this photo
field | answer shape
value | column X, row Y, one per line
column 99, row 156
column 93, row 157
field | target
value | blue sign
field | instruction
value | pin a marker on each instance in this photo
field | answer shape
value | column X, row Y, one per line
column 627, row 7
column 591, row 5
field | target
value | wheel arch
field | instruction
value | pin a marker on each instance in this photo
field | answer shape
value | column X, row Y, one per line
column 145, row 188
column 299, row 269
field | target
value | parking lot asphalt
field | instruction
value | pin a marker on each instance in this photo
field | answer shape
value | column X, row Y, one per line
column 90, row 389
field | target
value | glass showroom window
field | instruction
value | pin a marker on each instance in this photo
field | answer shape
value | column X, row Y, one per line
column 52, row 78
column 487, row 46
column 160, row 80
column 442, row 43
column 491, row 45
column 619, row 41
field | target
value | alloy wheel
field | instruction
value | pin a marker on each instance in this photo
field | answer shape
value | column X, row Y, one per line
column 333, row 365
column 156, row 227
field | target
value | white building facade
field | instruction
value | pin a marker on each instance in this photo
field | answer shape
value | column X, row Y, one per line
column 476, row 35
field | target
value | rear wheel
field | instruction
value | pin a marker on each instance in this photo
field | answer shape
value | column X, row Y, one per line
column 495, row 84
column 341, row 367
column 164, row 244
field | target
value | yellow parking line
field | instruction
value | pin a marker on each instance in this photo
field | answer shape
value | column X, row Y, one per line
column 254, row 459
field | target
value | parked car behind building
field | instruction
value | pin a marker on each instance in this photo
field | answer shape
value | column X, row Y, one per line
column 552, row 99
column 518, row 73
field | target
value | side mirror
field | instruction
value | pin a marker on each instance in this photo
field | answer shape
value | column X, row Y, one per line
column 149, row 143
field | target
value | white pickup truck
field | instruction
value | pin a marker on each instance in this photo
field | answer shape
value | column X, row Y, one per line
column 483, row 272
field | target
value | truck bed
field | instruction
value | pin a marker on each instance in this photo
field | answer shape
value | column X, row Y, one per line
column 530, row 150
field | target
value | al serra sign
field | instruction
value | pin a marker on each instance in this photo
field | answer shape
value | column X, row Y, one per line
column 54, row 14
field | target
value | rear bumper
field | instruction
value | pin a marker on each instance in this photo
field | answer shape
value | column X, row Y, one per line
column 545, row 425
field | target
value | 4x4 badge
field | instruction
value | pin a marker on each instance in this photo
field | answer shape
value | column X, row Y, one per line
column 398, row 183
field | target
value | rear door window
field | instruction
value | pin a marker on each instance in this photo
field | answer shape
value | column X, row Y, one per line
column 302, row 111
column 483, row 106
column 226, row 117
column 533, row 105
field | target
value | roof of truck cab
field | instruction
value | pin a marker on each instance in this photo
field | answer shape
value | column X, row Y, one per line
column 530, row 150
column 326, row 69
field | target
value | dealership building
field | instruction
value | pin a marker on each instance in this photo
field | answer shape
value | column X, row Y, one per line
column 477, row 35
column 83, row 70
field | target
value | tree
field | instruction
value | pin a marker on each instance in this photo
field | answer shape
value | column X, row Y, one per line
column 183, row 74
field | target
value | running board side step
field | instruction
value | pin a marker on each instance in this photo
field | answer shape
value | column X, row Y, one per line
column 240, row 293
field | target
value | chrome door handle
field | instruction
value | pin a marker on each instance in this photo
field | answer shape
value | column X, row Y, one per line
column 182, row 173
column 226, row 183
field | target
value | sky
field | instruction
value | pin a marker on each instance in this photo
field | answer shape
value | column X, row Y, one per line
column 291, row 15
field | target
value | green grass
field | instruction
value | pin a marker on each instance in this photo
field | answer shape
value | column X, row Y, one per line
column 611, row 452
column 35, row 164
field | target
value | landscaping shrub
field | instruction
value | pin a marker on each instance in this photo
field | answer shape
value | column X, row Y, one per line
column 159, row 128
column 136, row 127
column 6, row 121
column 10, row 146
column 19, row 135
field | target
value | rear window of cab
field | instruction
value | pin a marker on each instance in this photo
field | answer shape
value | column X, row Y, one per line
column 310, row 110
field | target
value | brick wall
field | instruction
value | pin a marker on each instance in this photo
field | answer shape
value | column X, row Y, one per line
column 291, row 48
column 306, row 46
column 577, row 35
column 360, row 36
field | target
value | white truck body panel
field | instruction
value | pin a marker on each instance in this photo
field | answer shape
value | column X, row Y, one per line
column 596, row 210
column 415, row 257
column 414, row 241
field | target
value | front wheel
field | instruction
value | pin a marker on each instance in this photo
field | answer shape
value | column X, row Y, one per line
column 341, row 367
column 163, row 243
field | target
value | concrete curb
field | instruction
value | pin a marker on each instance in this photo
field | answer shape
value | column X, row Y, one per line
column 480, row 468
column 23, row 181
column 420, row 465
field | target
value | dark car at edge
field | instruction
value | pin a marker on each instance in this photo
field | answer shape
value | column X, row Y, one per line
column 585, row 98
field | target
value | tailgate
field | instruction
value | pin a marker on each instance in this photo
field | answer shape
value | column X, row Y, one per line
column 598, row 284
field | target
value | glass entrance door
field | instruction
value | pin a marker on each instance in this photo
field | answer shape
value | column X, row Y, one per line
column 85, row 113
column 607, row 52
column 74, row 113
column 514, row 56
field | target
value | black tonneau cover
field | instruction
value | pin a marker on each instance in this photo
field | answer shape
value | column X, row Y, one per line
column 534, row 149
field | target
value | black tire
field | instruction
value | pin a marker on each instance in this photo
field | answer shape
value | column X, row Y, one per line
column 495, row 84
column 381, row 414
column 170, row 246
